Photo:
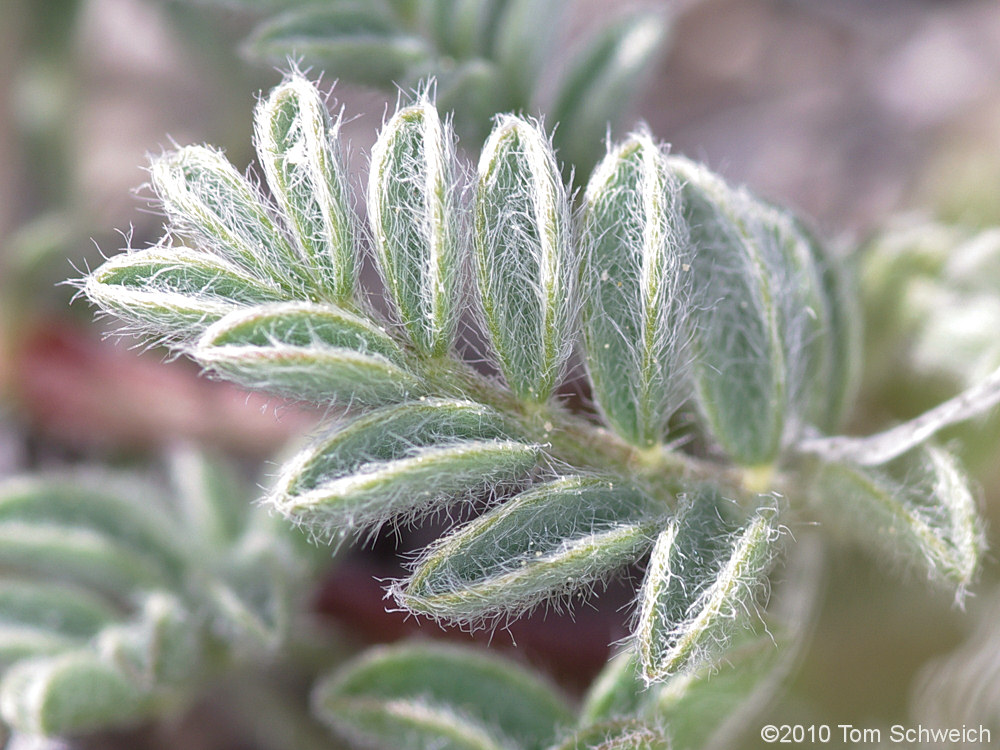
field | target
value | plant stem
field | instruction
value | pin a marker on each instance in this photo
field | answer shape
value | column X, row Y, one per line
column 576, row 441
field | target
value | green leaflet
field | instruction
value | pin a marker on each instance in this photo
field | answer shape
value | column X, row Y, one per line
column 206, row 198
column 298, row 149
column 173, row 291
column 740, row 367
column 74, row 555
column 600, row 83
column 18, row 642
column 413, row 214
column 702, row 578
column 304, row 325
column 432, row 696
column 841, row 341
column 210, row 498
column 400, row 459
column 69, row 694
column 160, row 648
column 706, row 707
column 523, row 261
column 702, row 708
column 624, row 734
column 60, row 609
column 354, row 41
column 185, row 272
column 461, row 28
column 470, row 92
column 309, row 351
column 425, row 480
column 635, row 283
column 921, row 502
column 551, row 540
column 254, row 595
column 618, row 691
column 524, row 35
column 42, row 507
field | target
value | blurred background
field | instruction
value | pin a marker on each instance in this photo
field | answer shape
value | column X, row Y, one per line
column 877, row 121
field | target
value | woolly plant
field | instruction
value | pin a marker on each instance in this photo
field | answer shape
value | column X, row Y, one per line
column 718, row 337
column 119, row 603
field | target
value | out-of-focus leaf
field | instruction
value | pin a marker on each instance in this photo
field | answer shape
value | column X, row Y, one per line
column 842, row 340
column 524, row 35
column 617, row 691
column 740, row 368
column 41, row 508
column 157, row 650
column 598, row 87
column 472, row 92
column 209, row 496
column 436, row 696
column 256, row 595
column 72, row 555
column 69, row 694
column 918, row 510
column 699, row 706
column 354, row 42
column 38, row 617
column 460, row 27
